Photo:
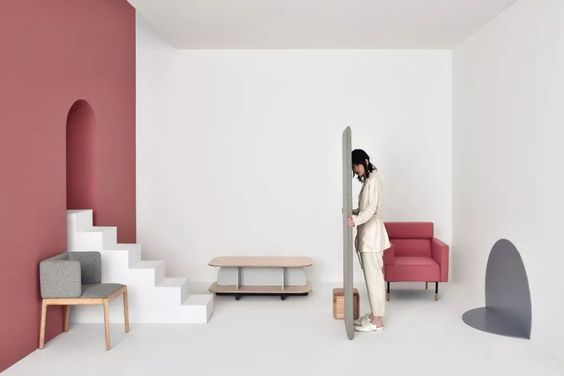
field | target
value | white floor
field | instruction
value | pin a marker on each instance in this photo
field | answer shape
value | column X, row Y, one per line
column 267, row 336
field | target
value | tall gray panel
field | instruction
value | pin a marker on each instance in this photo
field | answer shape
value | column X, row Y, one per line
column 508, row 299
column 347, row 233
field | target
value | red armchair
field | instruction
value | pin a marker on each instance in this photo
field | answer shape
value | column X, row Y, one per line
column 415, row 255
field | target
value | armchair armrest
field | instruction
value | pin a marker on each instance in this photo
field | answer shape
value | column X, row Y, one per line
column 389, row 255
column 440, row 255
column 60, row 278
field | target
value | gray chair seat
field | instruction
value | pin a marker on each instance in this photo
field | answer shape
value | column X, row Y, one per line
column 99, row 290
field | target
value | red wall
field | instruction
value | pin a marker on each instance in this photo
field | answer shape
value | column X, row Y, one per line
column 53, row 53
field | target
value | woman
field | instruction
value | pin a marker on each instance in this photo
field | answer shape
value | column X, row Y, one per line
column 371, row 239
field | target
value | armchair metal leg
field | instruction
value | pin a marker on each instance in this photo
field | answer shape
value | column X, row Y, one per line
column 388, row 291
column 426, row 285
column 436, row 291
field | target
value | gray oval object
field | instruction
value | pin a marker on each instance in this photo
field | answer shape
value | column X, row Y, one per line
column 508, row 298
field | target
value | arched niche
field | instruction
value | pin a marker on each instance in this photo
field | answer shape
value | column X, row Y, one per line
column 81, row 156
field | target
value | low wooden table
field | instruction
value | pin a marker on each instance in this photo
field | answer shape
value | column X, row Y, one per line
column 288, row 271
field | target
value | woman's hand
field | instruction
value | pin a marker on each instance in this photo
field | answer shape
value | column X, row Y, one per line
column 350, row 221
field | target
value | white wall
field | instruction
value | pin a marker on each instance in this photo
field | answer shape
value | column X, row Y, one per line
column 508, row 130
column 239, row 151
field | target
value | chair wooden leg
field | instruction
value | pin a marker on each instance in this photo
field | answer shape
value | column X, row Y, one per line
column 388, row 291
column 426, row 285
column 126, row 311
column 42, row 326
column 436, row 291
column 67, row 318
column 107, row 323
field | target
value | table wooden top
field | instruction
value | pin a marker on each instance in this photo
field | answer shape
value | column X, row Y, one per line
column 261, row 261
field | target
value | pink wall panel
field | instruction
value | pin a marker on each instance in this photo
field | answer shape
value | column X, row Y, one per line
column 53, row 53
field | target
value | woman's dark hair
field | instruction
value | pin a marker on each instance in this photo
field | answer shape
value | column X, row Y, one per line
column 359, row 156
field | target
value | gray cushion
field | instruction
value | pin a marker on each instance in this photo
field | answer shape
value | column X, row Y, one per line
column 74, row 275
column 99, row 290
column 90, row 266
column 60, row 277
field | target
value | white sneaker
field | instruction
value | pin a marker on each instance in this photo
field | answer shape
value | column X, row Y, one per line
column 368, row 327
column 361, row 320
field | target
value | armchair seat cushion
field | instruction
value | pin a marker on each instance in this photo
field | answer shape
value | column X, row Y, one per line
column 412, row 268
column 99, row 290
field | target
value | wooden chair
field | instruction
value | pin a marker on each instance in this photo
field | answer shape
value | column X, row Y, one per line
column 73, row 278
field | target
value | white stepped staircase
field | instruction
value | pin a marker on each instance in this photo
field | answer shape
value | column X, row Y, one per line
column 153, row 298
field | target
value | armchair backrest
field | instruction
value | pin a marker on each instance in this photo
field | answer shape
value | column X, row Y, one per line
column 90, row 266
column 410, row 238
column 63, row 275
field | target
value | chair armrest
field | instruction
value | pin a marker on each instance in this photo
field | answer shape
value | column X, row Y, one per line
column 440, row 255
column 90, row 266
column 389, row 255
column 60, row 278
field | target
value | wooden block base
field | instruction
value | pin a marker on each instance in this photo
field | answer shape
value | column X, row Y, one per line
column 339, row 304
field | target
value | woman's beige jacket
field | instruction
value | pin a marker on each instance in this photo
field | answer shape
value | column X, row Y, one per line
column 371, row 234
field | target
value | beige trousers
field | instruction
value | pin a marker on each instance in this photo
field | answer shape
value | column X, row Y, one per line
column 372, row 264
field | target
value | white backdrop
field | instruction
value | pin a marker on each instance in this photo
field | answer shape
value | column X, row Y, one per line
column 239, row 151
column 508, row 157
